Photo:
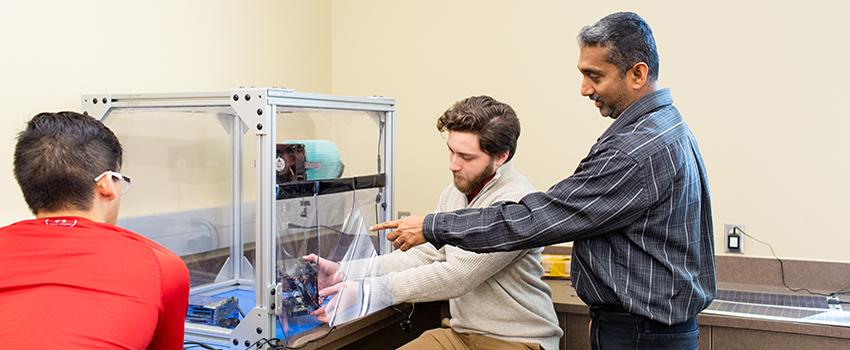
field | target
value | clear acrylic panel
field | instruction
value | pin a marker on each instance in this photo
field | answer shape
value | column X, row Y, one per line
column 297, row 236
column 331, row 226
column 317, row 148
column 180, row 163
column 355, row 250
column 336, row 240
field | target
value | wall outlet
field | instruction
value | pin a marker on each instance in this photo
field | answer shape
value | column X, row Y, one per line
column 402, row 214
column 734, row 239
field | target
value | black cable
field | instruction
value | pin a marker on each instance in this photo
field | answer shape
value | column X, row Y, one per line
column 845, row 290
column 274, row 343
column 408, row 316
column 407, row 323
column 842, row 291
column 264, row 341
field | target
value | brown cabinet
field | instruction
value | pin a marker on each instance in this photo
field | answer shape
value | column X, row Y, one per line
column 740, row 334
column 725, row 338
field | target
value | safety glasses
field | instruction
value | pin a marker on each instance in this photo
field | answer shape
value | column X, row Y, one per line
column 124, row 180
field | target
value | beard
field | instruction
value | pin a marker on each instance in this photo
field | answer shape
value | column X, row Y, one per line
column 611, row 106
column 468, row 185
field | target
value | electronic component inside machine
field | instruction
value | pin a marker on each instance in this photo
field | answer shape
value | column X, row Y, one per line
column 299, row 285
column 214, row 311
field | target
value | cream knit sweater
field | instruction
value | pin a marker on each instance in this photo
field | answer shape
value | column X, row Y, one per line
column 500, row 295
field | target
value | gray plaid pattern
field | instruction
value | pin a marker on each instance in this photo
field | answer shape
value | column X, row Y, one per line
column 637, row 207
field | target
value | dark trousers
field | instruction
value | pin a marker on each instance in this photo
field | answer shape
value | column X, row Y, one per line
column 612, row 328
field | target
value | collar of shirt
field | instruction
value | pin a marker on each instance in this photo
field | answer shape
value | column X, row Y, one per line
column 475, row 192
column 492, row 180
column 639, row 109
column 63, row 221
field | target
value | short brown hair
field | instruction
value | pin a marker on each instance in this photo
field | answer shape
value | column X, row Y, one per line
column 495, row 123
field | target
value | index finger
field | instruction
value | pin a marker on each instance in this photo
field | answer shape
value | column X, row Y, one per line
column 385, row 225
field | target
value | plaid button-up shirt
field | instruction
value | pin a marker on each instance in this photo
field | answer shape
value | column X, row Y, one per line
column 637, row 207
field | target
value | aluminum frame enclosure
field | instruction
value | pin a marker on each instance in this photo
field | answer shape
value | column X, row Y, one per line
column 257, row 109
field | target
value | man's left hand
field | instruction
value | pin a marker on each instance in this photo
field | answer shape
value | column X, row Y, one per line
column 345, row 299
column 407, row 231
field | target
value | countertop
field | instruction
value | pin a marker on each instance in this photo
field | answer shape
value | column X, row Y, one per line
column 566, row 301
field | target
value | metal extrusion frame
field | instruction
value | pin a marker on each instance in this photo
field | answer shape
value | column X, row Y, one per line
column 255, row 110
column 389, row 169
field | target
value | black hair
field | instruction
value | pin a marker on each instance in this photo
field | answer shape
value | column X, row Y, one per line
column 58, row 156
column 627, row 37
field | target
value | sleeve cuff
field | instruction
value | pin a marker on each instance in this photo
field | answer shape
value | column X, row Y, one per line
column 431, row 231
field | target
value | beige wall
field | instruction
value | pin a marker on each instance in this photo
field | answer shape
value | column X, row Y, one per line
column 54, row 51
column 760, row 84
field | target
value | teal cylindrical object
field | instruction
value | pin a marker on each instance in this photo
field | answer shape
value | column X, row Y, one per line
column 322, row 158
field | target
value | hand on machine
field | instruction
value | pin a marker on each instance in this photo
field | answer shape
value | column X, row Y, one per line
column 300, row 295
column 339, row 299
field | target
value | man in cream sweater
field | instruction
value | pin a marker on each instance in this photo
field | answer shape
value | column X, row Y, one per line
column 497, row 300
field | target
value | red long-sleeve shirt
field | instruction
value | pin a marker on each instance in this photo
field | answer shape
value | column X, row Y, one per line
column 72, row 283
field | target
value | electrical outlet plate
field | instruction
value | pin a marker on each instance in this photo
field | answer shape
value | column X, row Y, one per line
column 727, row 231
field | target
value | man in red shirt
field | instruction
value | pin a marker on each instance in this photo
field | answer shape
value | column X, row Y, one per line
column 70, row 278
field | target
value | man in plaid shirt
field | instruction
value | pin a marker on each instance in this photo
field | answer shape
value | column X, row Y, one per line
column 637, row 207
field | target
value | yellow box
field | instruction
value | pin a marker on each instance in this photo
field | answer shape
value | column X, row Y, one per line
column 555, row 266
